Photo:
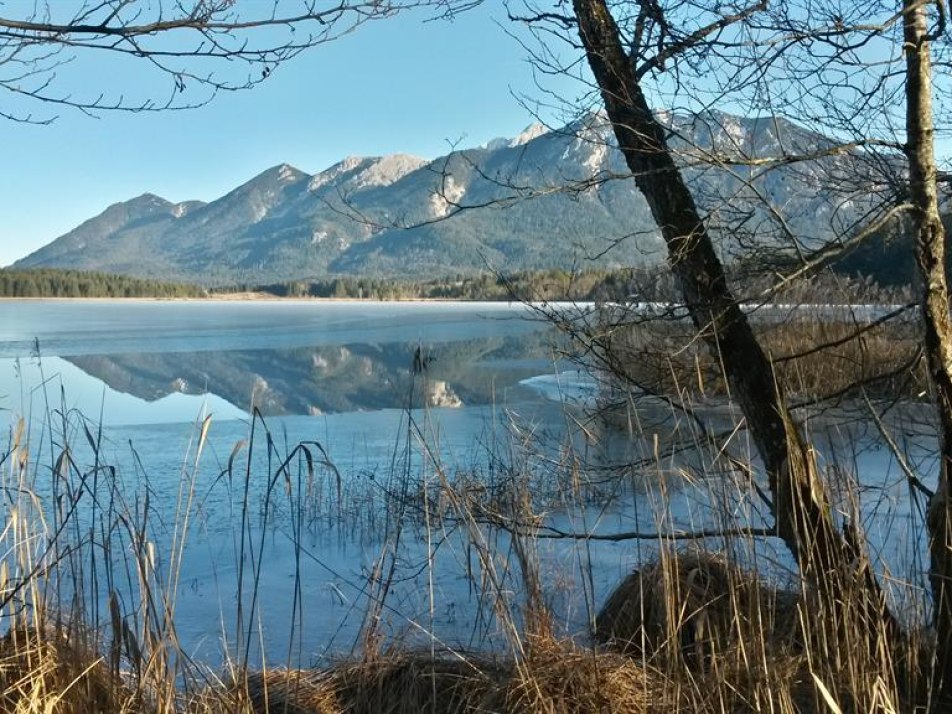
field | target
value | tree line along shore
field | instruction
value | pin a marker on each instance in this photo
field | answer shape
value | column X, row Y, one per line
column 620, row 285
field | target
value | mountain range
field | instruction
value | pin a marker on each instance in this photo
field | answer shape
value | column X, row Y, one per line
column 545, row 198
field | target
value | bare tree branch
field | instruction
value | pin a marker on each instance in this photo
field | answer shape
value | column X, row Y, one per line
column 201, row 47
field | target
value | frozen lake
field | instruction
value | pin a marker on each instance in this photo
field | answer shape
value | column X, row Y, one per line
column 138, row 378
column 272, row 550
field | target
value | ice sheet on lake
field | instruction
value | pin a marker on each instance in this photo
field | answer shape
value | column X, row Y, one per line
column 572, row 386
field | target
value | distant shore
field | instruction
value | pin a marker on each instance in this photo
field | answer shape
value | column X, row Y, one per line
column 268, row 297
column 243, row 297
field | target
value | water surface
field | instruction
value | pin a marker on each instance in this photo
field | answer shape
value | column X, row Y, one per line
column 133, row 361
column 321, row 426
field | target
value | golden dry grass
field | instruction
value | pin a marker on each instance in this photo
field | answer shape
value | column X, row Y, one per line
column 743, row 669
column 553, row 678
column 50, row 672
column 727, row 642
column 560, row 677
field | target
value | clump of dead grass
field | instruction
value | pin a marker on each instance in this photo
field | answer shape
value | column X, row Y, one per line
column 694, row 605
column 402, row 683
column 728, row 642
column 557, row 677
column 289, row 691
column 551, row 678
column 51, row 671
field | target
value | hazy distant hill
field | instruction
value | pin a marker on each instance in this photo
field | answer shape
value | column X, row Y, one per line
column 540, row 200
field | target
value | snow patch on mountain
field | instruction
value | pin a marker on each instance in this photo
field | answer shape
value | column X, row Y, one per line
column 366, row 171
column 446, row 198
column 533, row 131
column 287, row 173
column 180, row 209
column 386, row 170
column 596, row 161
column 259, row 211
column 736, row 131
column 530, row 133
column 333, row 174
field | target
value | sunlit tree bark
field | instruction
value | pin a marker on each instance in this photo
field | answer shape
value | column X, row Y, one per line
column 937, row 327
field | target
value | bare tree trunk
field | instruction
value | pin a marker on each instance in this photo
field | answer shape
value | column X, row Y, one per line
column 803, row 515
column 937, row 328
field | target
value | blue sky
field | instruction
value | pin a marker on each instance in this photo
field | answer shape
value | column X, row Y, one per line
column 398, row 85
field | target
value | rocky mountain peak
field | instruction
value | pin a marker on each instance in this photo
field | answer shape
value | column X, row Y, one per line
column 366, row 171
column 280, row 174
column 384, row 170
column 145, row 200
column 533, row 131
column 508, row 205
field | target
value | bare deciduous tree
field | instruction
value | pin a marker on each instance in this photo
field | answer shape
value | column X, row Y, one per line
column 861, row 76
column 930, row 239
column 800, row 505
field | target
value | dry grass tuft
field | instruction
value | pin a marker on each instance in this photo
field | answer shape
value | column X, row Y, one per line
column 552, row 678
column 418, row 684
column 726, row 642
column 45, row 670
column 694, row 605
column 291, row 691
column 407, row 683
column 556, row 678
column 783, row 683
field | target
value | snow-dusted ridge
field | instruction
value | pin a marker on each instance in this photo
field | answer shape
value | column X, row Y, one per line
column 396, row 215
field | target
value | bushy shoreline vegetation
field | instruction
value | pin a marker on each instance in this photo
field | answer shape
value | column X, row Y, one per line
column 621, row 285
column 530, row 285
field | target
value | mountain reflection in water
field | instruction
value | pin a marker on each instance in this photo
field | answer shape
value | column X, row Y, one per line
column 334, row 378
